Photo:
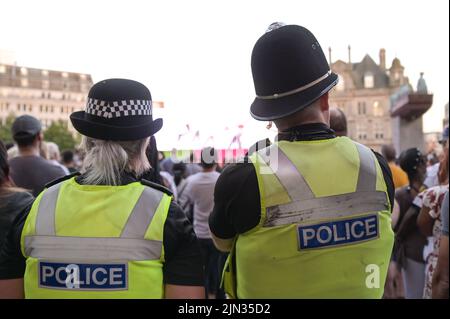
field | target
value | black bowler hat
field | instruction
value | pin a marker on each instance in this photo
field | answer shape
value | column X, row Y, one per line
column 117, row 110
column 290, row 72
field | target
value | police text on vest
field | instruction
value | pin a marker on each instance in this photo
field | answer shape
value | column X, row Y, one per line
column 341, row 232
column 83, row 276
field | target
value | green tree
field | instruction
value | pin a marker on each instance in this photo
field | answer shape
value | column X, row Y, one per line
column 5, row 129
column 58, row 133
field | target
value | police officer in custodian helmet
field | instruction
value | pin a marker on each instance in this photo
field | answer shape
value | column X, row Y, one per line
column 107, row 233
column 309, row 216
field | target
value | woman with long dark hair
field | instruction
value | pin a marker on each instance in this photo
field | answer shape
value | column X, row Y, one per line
column 14, row 201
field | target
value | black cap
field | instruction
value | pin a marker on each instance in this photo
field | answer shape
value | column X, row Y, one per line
column 410, row 159
column 26, row 125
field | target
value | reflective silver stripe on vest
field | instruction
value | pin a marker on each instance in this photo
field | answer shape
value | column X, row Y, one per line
column 367, row 177
column 96, row 248
column 45, row 218
column 131, row 245
column 288, row 174
column 304, row 206
column 142, row 214
column 326, row 207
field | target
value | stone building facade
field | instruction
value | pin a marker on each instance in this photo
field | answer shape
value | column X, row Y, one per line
column 364, row 92
column 47, row 95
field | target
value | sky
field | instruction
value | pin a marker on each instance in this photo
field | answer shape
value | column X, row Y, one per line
column 195, row 55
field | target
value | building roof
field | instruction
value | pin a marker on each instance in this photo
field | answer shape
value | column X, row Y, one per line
column 368, row 66
column 18, row 76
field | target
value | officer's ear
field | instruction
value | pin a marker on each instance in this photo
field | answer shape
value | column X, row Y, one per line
column 325, row 107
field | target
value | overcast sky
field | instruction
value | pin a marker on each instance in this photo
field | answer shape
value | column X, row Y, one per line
column 195, row 55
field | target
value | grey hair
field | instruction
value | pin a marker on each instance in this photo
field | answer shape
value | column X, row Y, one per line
column 105, row 161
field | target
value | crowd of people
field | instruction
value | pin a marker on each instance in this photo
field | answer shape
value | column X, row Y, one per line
column 172, row 227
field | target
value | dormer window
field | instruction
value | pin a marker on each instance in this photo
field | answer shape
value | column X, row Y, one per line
column 368, row 80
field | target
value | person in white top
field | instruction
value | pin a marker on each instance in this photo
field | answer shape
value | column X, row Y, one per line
column 199, row 194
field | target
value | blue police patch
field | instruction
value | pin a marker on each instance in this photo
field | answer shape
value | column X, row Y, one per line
column 341, row 232
column 83, row 276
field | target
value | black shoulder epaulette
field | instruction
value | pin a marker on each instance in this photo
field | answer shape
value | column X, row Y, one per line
column 156, row 186
column 61, row 179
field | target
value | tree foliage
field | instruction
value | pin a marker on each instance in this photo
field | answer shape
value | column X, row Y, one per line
column 5, row 129
column 58, row 133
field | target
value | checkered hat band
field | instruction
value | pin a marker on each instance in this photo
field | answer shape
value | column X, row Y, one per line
column 108, row 109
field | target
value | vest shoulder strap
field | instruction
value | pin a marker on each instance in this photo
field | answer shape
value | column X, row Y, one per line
column 156, row 186
column 61, row 179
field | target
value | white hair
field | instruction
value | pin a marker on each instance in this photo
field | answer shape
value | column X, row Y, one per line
column 53, row 151
column 105, row 161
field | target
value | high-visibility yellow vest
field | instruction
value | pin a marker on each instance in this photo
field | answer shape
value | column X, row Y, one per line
column 325, row 227
column 85, row 241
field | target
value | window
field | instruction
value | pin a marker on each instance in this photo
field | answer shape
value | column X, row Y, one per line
column 18, row 107
column 30, row 108
column 43, row 95
column 361, row 108
column 49, row 95
column 23, row 71
column 377, row 109
column 368, row 80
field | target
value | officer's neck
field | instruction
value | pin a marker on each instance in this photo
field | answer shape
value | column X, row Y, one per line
column 286, row 128
column 300, row 118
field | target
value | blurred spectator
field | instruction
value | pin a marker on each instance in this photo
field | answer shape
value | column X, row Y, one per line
column 433, row 171
column 440, row 276
column 338, row 121
column 29, row 170
column 429, row 221
column 153, row 156
column 9, row 146
column 54, row 156
column 168, row 182
column 199, row 192
column 13, row 152
column 167, row 163
column 192, row 167
column 399, row 176
column 68, row 160
column 43, row 150
column 180, row 175
column 409, row 241
column 13, row 201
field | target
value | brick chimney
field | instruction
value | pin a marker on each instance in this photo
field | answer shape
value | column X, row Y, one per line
column 383, row 59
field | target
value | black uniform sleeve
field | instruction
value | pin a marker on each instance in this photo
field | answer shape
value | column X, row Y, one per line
column 183, row 259
column 12, row 262
column 387, row 174
column 237, row 206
